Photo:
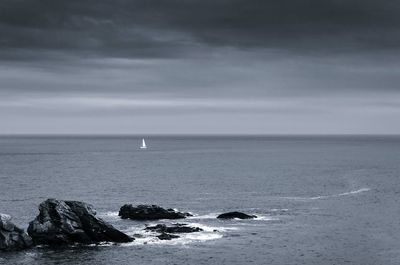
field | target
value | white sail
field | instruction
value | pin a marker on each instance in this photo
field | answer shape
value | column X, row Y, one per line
column 143, row 146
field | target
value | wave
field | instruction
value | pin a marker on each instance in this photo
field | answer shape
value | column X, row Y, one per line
column 216, row 229
column 328, row 196
column 149, row 238
column 210, row 232
column 109, row 215
column 183, row 240
column 204, row 216
column 354, row 192
column 279, row 210
column 265, row 218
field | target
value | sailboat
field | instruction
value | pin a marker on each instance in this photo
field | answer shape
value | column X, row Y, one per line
column 143, row 146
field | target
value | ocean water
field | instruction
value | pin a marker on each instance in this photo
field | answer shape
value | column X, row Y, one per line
column 320, row 199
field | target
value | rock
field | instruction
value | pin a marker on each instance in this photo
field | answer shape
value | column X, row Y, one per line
column 175, row 228
column 66, row 222
column 166, row 236
column 149, row 212
column 11, row 236
column 238, row 215
column 167, row 231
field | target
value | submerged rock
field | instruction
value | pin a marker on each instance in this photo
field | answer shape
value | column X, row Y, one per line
column 149, row 212
column 175, row 228
column 11, row 236
column 167, row 232
column 166, row 236
column 66, row 222
column 239, row 215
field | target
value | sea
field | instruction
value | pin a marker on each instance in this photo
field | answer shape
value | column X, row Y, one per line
column 322, row 200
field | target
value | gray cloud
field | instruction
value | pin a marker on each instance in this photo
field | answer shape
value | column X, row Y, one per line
column 199, row 66
column 32, row 29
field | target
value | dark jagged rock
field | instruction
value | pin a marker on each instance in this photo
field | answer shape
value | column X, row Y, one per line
column 167, row 232
column 11, row 236
column 238, row 215
column 149, row 212
column 175, row 228
column 66, row 222
column 166, row 236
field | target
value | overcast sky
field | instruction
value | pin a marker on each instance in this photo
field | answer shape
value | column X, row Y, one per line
column 200, row 66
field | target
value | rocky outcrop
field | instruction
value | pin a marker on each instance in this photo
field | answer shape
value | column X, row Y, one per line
column 11, row 236
column 166, row 236
column 175, row 228
column 66, row 222
column 232, row 215
column 149, row 212
column 167, row 232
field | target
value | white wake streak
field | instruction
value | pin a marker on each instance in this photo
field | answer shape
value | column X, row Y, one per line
column 329, row 196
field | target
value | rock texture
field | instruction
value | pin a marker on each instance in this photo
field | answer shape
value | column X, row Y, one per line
column 239, row 215
column 149, row 212
column 175, row 228
column 166, row 236
column 167, row 232
column 12, row 237
column 66, row 222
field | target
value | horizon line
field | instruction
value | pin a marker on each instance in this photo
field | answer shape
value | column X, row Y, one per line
column 194, row 134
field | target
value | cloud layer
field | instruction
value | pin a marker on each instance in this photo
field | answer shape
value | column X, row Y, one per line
column 282, row 66
column 157, row 28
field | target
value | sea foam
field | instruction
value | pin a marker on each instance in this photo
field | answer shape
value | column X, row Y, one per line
column 329, row 196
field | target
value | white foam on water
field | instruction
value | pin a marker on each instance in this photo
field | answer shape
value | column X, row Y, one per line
column 204, row 216
column 134, row 230
column 184, row 238
column 101, row 244
column 328, row 196
column 201, row 236
column 210, row 232
column 279, row 210
column 265, row 218
column 207, row 228
column 354, row 192
column 149, row 237
column 31, row 254
column 108, row 215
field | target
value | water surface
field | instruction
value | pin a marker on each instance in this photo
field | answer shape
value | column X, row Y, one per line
column 320, row 200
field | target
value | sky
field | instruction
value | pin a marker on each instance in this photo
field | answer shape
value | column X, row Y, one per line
column 199, row 67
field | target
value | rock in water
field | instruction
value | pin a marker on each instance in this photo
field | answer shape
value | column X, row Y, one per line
column 12, row 237
column 238, row 215
column 167, row 231
column 166, row 236
column 175, row 228
column 66, row 222
column 149, row 212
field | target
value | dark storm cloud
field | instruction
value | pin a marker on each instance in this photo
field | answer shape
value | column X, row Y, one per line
column 204, row 66
column 155, row 28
